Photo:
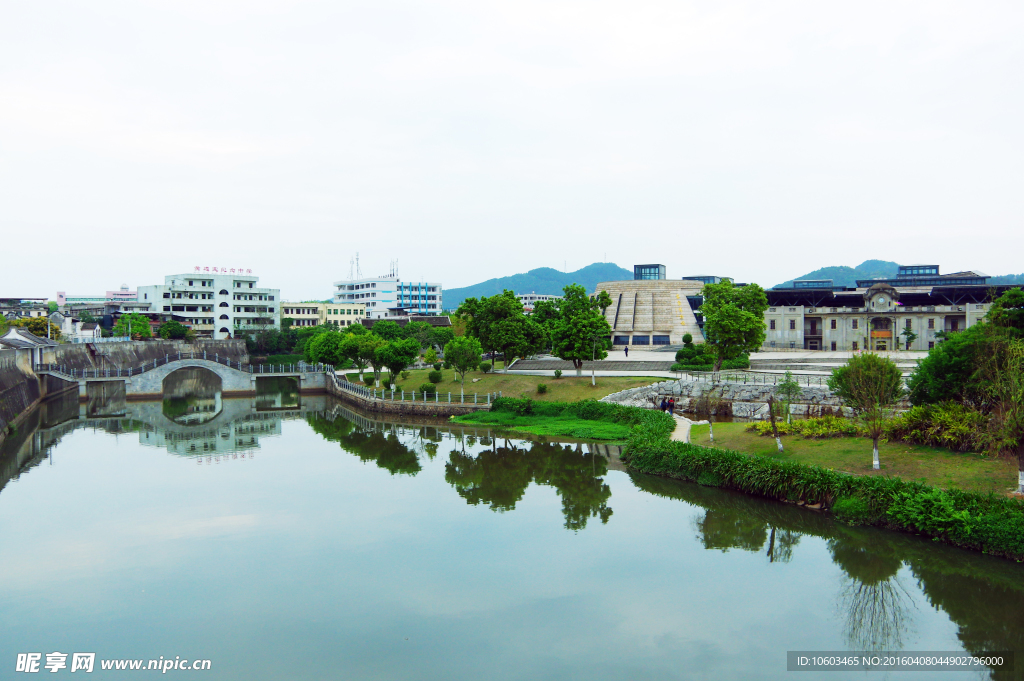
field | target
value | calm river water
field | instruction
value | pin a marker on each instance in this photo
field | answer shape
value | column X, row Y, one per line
column 286, row 537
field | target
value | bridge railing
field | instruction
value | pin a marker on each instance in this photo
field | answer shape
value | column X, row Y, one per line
column 385, row 395
column 149, row 365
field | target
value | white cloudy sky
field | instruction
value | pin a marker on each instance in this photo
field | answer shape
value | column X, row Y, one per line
column 470, row 139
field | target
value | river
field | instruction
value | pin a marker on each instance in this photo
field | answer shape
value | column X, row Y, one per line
column 287, row 537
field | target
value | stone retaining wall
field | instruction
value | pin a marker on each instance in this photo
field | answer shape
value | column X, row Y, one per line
column 730, row 399
column 437, row 409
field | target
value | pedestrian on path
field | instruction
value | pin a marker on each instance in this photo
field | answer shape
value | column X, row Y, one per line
column 663, row 404
column 671, row 405
column 626, row 348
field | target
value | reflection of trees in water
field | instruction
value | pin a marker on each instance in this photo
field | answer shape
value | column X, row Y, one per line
column 191, row 396
column 382, row 448
column 875, row 604
column 499, row 477
column 277, row 392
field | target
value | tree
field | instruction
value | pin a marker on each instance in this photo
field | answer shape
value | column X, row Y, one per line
column 909, row 336
column 38, row 326
column 350, row 351
column 949, row 371
column 173, row 330
column 441, row 336
column 500, row 324
column 604, row 301
column 51, row 306
column 1007, row 310
column 545, row 313
column 581, row 331
column 463, row 353
column 325, row 348
column 771, row 417
column 396, row 355
column 1005, row 369
column 788, row 390
column 387, row 329
column 367, row 354
column 423, row 332
column 871, row 385
column 139, row 325
column 733, row 319
column 430, row 356
column 86, row 317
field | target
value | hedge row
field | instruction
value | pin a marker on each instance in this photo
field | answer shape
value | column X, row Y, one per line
column 587, row 410
column 988, row 523
column 741, row 363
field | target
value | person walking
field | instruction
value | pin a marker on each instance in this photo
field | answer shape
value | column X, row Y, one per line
column 626, row 348
column 671, row 405
column 663, row 404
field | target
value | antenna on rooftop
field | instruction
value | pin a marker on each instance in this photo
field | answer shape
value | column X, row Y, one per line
column 359, row 272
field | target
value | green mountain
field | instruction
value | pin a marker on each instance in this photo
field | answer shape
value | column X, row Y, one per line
column 848, row 276
column 543, row 280
column 1006, row 279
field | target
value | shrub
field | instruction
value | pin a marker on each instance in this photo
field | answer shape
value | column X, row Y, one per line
column 817, row 428
column 368, row 378
column 558, row 373
column 518, row 406
column 852, row 510
column 428, row 388
column 542, row 388
column 437, row 366
column 447, row 364
column 405, row 375
column 931, row 511
column 739, row 363
column 485, row 367
column 947, row 424
column 435, row 376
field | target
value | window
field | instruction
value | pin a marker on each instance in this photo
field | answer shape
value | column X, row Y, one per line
column 908, row 324
column 771, row 324
column 856, row 325
column 190, row 283
column 167, row 295
column 223, row 291
column 223, row 316
column 931, row 344
column 855, row 346
column 931, row 323
column 641, row 340
column 660, row 340
column 833, row 346
column 772, row 344
column 833, row 326
column 167, row 308
column 792, row 324
column 224, row 329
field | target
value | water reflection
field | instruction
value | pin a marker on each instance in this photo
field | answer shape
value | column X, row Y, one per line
column 382, row 447
column 498, row 477
column 277, row 392
column 192, row 396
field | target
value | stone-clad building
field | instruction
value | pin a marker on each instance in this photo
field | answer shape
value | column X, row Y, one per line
column 651, row 309
column 815, row 315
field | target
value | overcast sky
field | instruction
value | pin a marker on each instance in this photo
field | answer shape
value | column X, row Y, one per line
column 471, row 140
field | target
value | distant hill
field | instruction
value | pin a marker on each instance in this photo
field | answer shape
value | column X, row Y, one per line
column 848, row 276
column 541, row 280
column 872, row 269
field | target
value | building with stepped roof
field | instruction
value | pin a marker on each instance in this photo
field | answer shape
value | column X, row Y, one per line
column 652, row 310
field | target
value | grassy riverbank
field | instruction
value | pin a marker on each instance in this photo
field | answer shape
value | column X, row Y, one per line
column 931, row 465
column 584, row 420
column 564, row 389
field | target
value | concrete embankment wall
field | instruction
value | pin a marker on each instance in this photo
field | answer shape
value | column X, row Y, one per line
column 19, row 388
column 135, row 353
column 407, row 408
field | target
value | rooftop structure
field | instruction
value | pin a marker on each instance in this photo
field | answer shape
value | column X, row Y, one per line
column 648, row 272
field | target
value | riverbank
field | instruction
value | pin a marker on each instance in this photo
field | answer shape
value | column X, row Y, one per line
column 585, row 420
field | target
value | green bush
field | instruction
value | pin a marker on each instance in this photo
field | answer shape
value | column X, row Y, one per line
column 852, row 510
column 709, row 479
column 447, row 364
column 739, row 363
column 485, row 367
column 428, row 388
column 948, row 424
column 558, row 373
column 405, row 375
column 437, row 366
column 435, row 376
column 518, row 406
column 368, row 378
column 542, row 388
column 817, row 428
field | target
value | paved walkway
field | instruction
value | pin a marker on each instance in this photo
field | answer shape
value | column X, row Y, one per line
column 682, row 431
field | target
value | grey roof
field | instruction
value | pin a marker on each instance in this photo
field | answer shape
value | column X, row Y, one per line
column 19, row 337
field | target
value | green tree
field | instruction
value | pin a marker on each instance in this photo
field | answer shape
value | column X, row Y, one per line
column 173, row 330
column 949, row 371
column 86, row 316
column 500, row 325
column 463, row 354
column 788, row 390
column 908, row 336
column 430, row 356
column 733, row 319
column 139, row 325
column 440, row 337
column 581, row 330
column 603, row 300
column 367, row 353
column 1004, row 366
column 871, row 385
column 387, row 329
column 396, row 355
column 423, row 332
column 51, row 306
column 1007, row 310
column 325, row 348
column 545, row 313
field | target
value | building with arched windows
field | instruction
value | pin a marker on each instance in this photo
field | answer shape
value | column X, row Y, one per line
column 217, row 305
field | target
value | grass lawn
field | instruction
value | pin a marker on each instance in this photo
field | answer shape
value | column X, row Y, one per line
column 564, row 389
column 934, row 466
column 556, row 426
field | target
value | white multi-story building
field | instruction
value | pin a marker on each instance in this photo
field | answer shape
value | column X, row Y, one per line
column 381, row 294
column 217, row 305
column 530, row 299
